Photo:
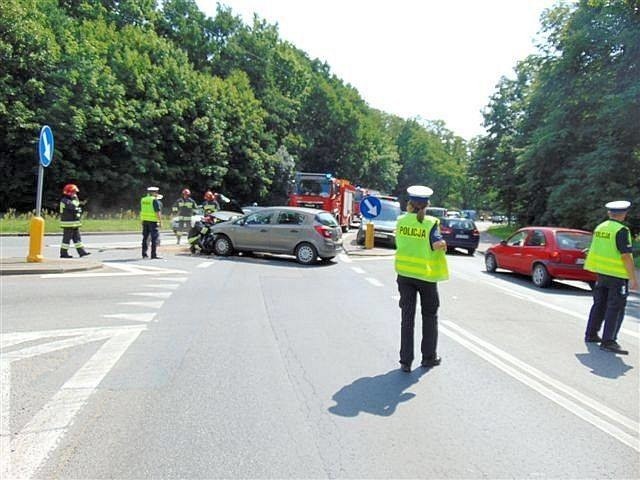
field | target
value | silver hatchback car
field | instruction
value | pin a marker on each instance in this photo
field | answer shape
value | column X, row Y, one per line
column 306, row 233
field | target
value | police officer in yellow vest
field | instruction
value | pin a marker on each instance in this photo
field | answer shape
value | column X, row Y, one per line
column 420, row 263
column 151, row 216
column 610, row 256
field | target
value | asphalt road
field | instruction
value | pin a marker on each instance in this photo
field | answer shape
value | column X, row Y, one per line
column 256, row 367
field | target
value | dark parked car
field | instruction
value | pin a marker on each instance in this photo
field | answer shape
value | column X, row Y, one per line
column 384, row 224
column 544, row 253
column 306, row 233
column 460, row 233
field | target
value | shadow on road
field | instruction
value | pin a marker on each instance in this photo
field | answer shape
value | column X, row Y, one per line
column 603, row 364
column 557, row 287
column 379, row 395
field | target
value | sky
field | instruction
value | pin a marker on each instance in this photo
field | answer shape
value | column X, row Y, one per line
column 434, row 59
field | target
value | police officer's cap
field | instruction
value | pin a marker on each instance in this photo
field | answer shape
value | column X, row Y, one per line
column 153, row 189
column 619, row 206
column 419, row 193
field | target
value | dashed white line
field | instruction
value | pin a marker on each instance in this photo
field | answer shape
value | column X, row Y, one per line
column 358, row 270
column 204, row 265
column 155, row 305
column 374, row 282
column 152, row 294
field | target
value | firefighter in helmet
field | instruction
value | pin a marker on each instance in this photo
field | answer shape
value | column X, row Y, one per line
column 70, row 212
column 185, row 207
column 210, row 203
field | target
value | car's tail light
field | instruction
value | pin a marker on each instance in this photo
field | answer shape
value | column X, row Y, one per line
column 476, row 233
column 323, row 231
column 446, row 230
column 555, row 256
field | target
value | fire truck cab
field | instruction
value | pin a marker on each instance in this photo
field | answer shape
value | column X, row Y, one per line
column 324, row 192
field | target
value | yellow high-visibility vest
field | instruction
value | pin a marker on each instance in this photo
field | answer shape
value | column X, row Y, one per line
column 147, row 213
column 414, row 256
column 604, row 256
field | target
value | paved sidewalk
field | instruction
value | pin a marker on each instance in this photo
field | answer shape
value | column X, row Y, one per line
column 20, row 266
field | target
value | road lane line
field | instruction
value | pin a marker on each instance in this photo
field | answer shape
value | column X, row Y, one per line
column 345, row 258
column 529, row 298
column 358, row 270
column 31, row 447
column 146, row 317
column 374, row 282
column 204, row 265
column 152, row 294
column 526, row 378
column 168, row 286
column 172, row 279
column 155, row 305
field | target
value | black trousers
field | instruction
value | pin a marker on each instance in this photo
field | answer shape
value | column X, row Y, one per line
column 609, row 301
column 429, row 303
column 150, row 229
column 71, row 234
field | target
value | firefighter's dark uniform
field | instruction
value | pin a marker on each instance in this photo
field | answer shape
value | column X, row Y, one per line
column 70, row 212
column 210, row 206
column 185, row 208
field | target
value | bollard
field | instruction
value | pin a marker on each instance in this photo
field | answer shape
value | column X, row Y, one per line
column 368, row 236
column 36, row 239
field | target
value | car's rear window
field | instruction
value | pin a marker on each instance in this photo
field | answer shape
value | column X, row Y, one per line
column 573, row 240
column 326, row 219
column 457, row 223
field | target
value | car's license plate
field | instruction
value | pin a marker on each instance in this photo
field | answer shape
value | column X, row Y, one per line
column 580, row 261
column 462, row 236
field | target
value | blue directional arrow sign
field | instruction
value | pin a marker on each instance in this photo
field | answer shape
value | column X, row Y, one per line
column 45, row 146
column 370, row 207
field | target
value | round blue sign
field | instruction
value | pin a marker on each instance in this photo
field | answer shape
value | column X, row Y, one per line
column 45, row 146
column 370, row 207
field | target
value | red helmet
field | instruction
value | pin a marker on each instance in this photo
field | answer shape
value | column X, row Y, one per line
column 208, row 195
column 186, row 192
column 70, row 189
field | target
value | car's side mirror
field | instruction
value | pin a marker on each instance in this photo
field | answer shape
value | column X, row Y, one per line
column 503, row 242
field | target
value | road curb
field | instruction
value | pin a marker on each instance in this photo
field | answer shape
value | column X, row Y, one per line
column 20, row 266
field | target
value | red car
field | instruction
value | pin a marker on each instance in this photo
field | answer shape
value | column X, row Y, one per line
column 544, row 253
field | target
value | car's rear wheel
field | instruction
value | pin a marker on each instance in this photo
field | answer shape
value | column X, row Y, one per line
column 540, row 276
column 306, row 254
column 222, row 246
column 490, row 263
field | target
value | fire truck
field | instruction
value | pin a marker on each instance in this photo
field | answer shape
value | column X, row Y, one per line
column 323, row 191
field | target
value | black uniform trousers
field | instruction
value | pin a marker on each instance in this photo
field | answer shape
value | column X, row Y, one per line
column 429, row 303
column 150, row 229
column 70, row 234
column 609, row 301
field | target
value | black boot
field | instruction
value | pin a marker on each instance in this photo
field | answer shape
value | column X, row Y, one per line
column 64, row 253
column 82, row 252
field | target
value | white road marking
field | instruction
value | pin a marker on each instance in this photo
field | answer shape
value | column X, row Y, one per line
column 358, row 270
column 172, row 279
column 155, row 305
column 529, row 298
column 146, row 317
column 344, row 258
column 126, row 270
column 24, row 452
column 152, row 294
column 374, row 282
column 168, row 286
column 205, row 264
column 536, row 380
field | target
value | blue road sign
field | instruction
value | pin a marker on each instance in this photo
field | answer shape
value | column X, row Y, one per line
column 45, row 146
column 370, row 207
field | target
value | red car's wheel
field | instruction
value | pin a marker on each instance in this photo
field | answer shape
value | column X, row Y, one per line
column 540, row 276
column 490, row 263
